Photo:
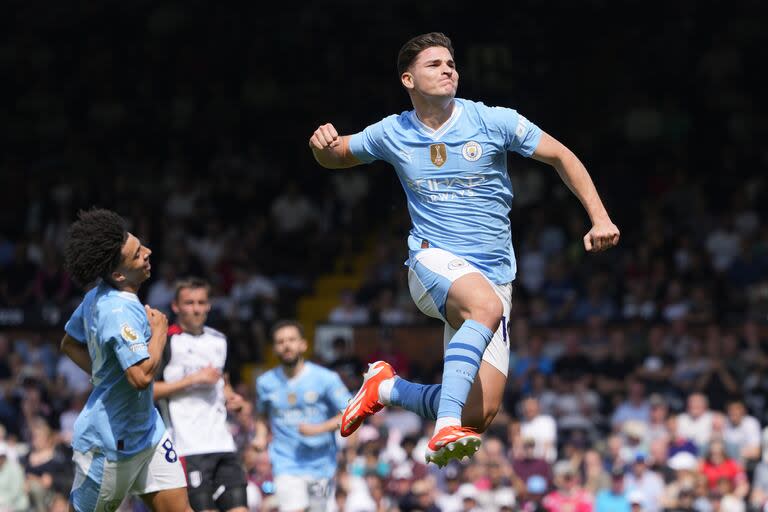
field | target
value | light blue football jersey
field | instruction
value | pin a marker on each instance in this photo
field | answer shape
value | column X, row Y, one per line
column 118, row 419
column 314, row 396
column 455, row 179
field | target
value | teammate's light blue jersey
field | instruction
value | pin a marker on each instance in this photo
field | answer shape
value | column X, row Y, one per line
column 455, row 179
column 314, row 396
column 118, row 419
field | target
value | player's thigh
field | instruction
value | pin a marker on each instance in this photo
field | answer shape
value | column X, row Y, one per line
column 431, row 273
column 162, row 480
column 99, row 484
column 291, row 493
column 200, row 470
column 473, row 296
column 229, row 484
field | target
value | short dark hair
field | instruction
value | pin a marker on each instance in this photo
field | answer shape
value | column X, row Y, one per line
column 94, row 245
column 190, row 282
column 417, row 44
column 286, row 323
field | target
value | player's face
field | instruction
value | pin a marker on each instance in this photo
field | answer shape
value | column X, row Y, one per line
column 192, row 307
column 433, row 74
column 289, row 345
column 134, row 267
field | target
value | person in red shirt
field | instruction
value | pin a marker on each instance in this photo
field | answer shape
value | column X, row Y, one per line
column 718, row 465
column 569, row 496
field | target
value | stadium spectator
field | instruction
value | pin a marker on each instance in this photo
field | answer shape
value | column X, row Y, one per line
column 531, row 359
column 742, row 434
column 696, row 422
column 190, row 381
column 645, row 481
column 46, row 468
column 568, row 494
column 613, row 499
column 635, row 408
column 13, row 496
column 527, row 464
column 717, row 465
column 539, row 427
column 348, row 312
column 300, row 400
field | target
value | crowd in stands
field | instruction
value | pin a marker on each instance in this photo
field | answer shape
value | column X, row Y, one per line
column 638, row 377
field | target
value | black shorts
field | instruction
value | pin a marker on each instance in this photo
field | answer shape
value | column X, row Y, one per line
column 215, row 481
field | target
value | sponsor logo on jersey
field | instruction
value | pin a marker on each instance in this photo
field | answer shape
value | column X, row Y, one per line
column 128, row 333
column 310, row 397
column 472, row 151
column 438, row 154
column 136, row 347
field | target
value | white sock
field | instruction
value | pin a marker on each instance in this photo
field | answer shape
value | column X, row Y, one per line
column 385, row 390
column 446, row 421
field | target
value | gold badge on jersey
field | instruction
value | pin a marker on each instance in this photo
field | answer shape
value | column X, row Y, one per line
column 291, row 398
column 128, row 333
column 438, row 154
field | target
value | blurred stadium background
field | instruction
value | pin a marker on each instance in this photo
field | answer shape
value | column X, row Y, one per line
column 192, row 119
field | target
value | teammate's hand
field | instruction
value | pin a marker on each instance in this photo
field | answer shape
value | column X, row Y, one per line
column 158, row 322
column 324, row 137
column 602, row 236
column 208, row 375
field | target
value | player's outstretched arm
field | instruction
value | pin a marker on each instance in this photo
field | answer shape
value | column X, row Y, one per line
column 330, row 149
column 313, row 429
column 77, row 352
column 604, row 233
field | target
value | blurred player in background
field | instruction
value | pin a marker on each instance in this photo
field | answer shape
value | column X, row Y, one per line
column 120, row 443
column 301, row 401
column 198, row 397
column 451, row 157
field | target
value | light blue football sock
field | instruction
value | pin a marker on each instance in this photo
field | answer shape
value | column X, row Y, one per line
column 419, row 398
column 462, row 361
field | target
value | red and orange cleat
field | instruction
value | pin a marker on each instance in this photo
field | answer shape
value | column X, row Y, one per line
column 366, row 402
column 452, row 442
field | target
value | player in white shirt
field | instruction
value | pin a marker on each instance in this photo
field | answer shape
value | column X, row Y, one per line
column 198, row 397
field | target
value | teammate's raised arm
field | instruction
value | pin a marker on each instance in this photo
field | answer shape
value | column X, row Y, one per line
column 330, row 149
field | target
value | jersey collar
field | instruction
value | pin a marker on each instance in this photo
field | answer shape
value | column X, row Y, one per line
column 436, row 134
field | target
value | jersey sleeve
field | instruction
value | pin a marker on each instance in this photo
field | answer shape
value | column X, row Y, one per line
column 336, row 392
column 368, row 145
column 75, row 326
column 126, row 328
column 519, row 134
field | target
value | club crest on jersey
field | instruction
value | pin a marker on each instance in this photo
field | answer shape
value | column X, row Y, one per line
column 128, row 334
column 438, row 154
column 472, row 151
column 310, row 397
column 291, row 398
column 195, row 478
